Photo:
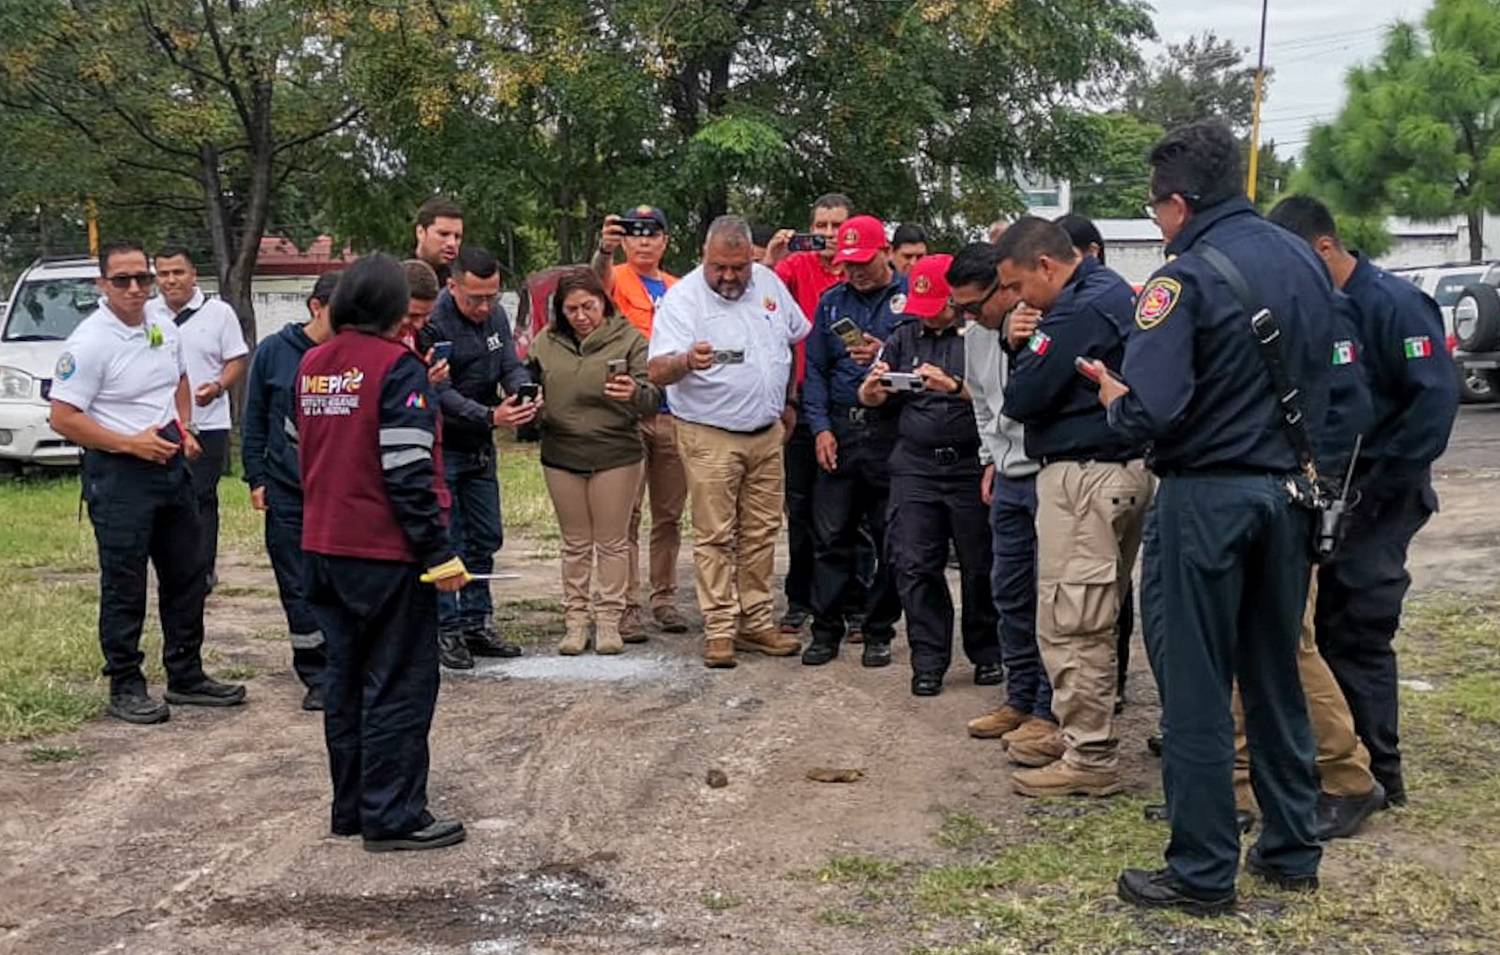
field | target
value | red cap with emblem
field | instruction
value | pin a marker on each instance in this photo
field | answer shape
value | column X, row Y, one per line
column 860, row 239
column 927, row 286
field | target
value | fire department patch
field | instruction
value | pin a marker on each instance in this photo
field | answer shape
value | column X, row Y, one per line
column 851, row 237
column 922, row 285
column 66, row 365
column 1156, row 302
column 898, row 304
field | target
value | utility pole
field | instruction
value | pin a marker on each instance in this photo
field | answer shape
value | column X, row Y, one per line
column 1260, row 85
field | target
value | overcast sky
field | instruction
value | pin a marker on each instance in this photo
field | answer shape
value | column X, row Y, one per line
column 1310, row 45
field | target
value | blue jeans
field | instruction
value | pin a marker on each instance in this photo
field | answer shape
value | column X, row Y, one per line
column 474, row 528
column 1013, row 584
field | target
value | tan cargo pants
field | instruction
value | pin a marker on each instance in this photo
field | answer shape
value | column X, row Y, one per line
column 668, row 487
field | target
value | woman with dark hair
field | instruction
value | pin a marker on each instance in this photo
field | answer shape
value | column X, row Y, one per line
column 1084, row 234
column 375, row 532
column 591, row 364
column 270, row 454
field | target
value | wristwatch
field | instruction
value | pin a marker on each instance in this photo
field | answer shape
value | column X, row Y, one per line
column 958, row 384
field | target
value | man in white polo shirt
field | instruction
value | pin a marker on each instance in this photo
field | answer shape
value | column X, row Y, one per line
column 214, row 349
column 721, row 344
column 120, row 391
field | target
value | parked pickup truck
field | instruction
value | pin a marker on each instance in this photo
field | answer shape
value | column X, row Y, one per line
column 1446, row 284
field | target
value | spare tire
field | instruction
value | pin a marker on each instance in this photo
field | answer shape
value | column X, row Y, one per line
column 1476, row 319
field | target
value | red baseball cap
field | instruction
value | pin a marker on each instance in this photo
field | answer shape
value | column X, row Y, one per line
column 860, row 239
column 927, row 286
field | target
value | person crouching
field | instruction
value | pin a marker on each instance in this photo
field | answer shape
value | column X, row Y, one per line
column 591, row 364
column 372, row 523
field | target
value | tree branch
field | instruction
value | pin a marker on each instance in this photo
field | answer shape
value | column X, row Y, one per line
column 320, row 132
column 211, row 27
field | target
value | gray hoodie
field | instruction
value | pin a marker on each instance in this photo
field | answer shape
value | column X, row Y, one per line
column 985, row 372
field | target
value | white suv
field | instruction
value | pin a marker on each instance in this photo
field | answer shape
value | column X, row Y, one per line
column 1446, row 284
column 48, row 302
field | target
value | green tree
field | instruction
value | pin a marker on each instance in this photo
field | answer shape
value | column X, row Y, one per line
column 173, row 111
column 1115, row 185
column 1419, row 134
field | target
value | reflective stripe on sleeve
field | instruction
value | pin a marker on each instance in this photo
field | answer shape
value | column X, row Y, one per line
column 391, row 460
column 405, row 437
column 307, row 641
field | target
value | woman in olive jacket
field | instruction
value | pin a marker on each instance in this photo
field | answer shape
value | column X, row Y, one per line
column 591, row 364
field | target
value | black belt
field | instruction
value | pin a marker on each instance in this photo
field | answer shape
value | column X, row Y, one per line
column 953, row 454
column 1045, row 460
column 746, row 434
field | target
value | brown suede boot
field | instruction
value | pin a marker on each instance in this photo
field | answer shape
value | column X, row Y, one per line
column 1060, row 779
column 1037, row 750
column 997, row 723
column 576, row 640
column 607, row 638
column 770, row 642
column 718, row 653
column 1033, row 728
column 632, row 625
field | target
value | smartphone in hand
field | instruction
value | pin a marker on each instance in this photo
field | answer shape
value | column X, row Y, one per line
column 528, row 392
column 441, row 351
column 807, row 242
column 1085, row 367
column 616, row 366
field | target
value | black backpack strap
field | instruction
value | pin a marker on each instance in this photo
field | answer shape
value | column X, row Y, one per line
column 1268, row 342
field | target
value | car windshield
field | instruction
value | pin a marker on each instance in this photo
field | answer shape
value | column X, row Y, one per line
column 49, row 309
column 1450, row 287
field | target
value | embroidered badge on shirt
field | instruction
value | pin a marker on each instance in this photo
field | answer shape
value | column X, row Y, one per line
column 1343, row 352
column 898, row 304
column 154, row 337
column 65, row 366
column 492, row 343
column 1419, row 346
column 1040, row 343
column 416, row 400
column 1156, row 302
column 768, row 303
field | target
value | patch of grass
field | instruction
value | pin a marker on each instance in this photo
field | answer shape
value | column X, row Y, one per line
column 54, row 754
column 524, row 501
column 841, row 918
column 257, row 593
column 855, row 870
column 718, row 901
column 239, row 671
column 962, row 830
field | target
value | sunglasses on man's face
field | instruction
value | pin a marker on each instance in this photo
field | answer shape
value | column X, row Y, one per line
column 122, row 282
column 972, row 309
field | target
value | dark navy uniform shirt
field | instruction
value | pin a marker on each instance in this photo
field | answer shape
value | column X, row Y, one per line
column 833, row 378
column 1199, row 389
column 268, row 432
column 1092, row 318
column 484, row 356
column 1350, row 410
column 929, row 420
column 1412, row 382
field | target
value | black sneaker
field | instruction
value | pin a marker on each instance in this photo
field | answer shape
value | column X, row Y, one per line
column 926, row 684
column 138, row 708
column 793, row 620
column 485, row 642
column 988, row 674
column 452, row 653
column 1163, row 890
column 207, row 692
column 876, row 653
column 312, row 700
column 1285, row 881
column 1340, row 817
column 818, row 652
column 434, row 835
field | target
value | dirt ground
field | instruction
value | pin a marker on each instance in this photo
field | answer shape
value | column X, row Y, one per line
column 582, row 782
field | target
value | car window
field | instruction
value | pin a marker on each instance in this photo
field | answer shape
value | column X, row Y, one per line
column 49, row 309
column 1450, row 287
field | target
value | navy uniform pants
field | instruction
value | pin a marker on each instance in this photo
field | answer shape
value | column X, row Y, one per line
column 1227, row 570
column 146, row 512
column 477, row 535
column 379, row 690
column 800, row 463
column 284, row 546
column 1359, row 608
column 852, row 498
column 928, row 511
column 207, row 471
column 1013, row 584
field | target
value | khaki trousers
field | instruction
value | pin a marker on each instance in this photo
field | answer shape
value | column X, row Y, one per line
column 593, row 511
column 1343, row 761
column 668, row 486
column 735, row 485
column 1088, row 527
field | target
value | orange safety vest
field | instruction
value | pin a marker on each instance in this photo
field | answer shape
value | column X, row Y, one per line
column 632, row 299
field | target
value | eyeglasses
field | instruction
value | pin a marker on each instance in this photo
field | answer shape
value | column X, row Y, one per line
column 1154, row 201
column 474, row 301
column 972, row 309
column 122, row 282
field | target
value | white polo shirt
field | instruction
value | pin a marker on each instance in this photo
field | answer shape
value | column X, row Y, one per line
column 211, row 339
column 123, row 377
column 764, row 323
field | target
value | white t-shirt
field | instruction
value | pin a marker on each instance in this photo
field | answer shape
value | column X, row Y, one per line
column 211, row 339
column 764, row 323
column 123, row 377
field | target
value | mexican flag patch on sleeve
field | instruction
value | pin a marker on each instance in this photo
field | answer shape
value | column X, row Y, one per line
column 1343, row 352
column 1419, row 346
column 1040, row 342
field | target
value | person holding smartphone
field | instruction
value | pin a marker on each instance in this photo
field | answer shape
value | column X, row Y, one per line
column 591, row 363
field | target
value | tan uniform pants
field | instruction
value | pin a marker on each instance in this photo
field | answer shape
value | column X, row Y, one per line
column 735, row 485
column 593, row 513
column 1343, row 761
column 668, row 487
column 1088, row 527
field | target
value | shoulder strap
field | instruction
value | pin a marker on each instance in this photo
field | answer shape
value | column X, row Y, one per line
column 1268, row 343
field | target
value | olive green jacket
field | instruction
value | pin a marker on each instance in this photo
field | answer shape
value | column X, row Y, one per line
column 582, row 429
